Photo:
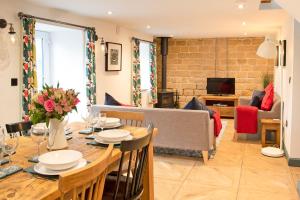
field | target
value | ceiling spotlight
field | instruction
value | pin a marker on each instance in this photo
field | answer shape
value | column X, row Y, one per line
column 109, row 12
column 148, row 26
column 244, row 23
column 241, row 6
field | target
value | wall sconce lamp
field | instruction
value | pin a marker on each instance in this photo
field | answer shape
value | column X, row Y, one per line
column 11, row 30
column 103, row 46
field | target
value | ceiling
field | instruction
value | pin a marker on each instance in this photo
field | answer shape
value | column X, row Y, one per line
column 182, row 19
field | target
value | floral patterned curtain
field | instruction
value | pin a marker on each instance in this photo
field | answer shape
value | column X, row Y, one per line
column 136, row 77
column 90, row 67
column 29, row 67
column 153, row 75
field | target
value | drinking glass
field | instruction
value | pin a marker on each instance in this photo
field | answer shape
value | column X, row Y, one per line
column 87, row 118
column 38, row 136
column 102, row 120
column 10, row 142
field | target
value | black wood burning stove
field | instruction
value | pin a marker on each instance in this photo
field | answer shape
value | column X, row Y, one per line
column 165, row 96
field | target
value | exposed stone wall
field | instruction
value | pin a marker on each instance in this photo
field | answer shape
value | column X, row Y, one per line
column 192, row 61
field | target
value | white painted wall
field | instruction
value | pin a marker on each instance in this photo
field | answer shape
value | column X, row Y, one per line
column 291, row 93
column 295, row 139
column 116, row 83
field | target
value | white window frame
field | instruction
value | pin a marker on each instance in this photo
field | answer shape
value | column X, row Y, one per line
column 145, row 66
column 46, row 55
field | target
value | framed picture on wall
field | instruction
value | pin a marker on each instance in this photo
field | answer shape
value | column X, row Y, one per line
column 113, row 57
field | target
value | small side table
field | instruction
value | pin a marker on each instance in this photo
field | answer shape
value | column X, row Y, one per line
column 272, row 125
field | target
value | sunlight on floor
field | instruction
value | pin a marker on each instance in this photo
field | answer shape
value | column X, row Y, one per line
column 237, row 171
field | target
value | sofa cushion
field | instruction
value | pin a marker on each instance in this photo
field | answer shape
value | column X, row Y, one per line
column 267, row 101
column 111, row 101
column 195, row 104
column 257, row 98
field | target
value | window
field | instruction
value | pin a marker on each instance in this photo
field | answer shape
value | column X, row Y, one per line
column 60, row 58
column 145, row 65
column 42, row 58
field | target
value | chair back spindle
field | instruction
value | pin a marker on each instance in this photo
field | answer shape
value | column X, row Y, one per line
column 127, row 118
column 87, row 182
column 137, row 149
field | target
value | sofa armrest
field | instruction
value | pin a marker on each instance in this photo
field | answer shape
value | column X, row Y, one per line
column 244, row 101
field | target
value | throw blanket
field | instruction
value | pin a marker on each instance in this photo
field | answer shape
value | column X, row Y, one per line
column 246, row 119
column 217, row 123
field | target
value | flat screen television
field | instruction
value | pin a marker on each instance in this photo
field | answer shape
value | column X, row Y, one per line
column 221, row 86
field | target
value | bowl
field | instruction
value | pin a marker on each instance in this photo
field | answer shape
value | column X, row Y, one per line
column 60, row 160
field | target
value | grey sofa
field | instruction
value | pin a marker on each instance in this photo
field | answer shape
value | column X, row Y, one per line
column 177, row 128
column 274, row 113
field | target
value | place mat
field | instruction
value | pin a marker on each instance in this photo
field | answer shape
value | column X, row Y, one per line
column 30, row 170
column 69, row 137
column 5, row 172
column 4, row 161
column 99, row 129
column 90, row 137
column 86, row 131
column 94, row 143
column 68, row 132
column 34, row 159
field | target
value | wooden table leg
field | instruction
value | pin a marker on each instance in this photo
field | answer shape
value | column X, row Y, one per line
column 148, row 181
column 263, row 136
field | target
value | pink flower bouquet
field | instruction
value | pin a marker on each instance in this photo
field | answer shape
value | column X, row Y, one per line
column 52, row 103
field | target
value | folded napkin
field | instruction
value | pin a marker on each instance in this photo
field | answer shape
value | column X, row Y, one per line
column 69, row 137
column 5, row 172
column 90, row 137
column 96, row 129
column 94, row 143
column 68, row 132
column 4, row 161
column 86, row 131
column 30, row 170
column 34, row 159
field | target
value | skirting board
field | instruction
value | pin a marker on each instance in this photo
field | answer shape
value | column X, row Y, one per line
column 294, row 162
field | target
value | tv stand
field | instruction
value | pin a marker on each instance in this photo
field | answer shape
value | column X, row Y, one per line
column 223, row 104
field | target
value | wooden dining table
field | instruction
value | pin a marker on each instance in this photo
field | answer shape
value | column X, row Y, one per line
column 25, row 186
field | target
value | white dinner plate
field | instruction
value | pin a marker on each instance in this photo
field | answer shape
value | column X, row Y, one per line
column 112, row 121
column 60, row 160
column 113, row 135
column 101, row 141
column 110, row 126
column 41, row 169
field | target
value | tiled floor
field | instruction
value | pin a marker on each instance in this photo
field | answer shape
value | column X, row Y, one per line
column 237, row 171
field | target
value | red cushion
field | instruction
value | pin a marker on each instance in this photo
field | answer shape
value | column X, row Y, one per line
column 267, row 101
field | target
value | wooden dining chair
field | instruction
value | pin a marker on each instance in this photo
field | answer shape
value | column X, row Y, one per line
column 129, row 186
column 127, row 118
column 87, row 182
column 21, row 127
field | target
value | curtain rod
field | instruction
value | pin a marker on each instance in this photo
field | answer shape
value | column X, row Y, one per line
column 21, row 15
column 141, row 40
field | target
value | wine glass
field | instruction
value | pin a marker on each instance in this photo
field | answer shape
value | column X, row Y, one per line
column 102, row 120
column 87, row 118
column 10, row 142
column 38, row 135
